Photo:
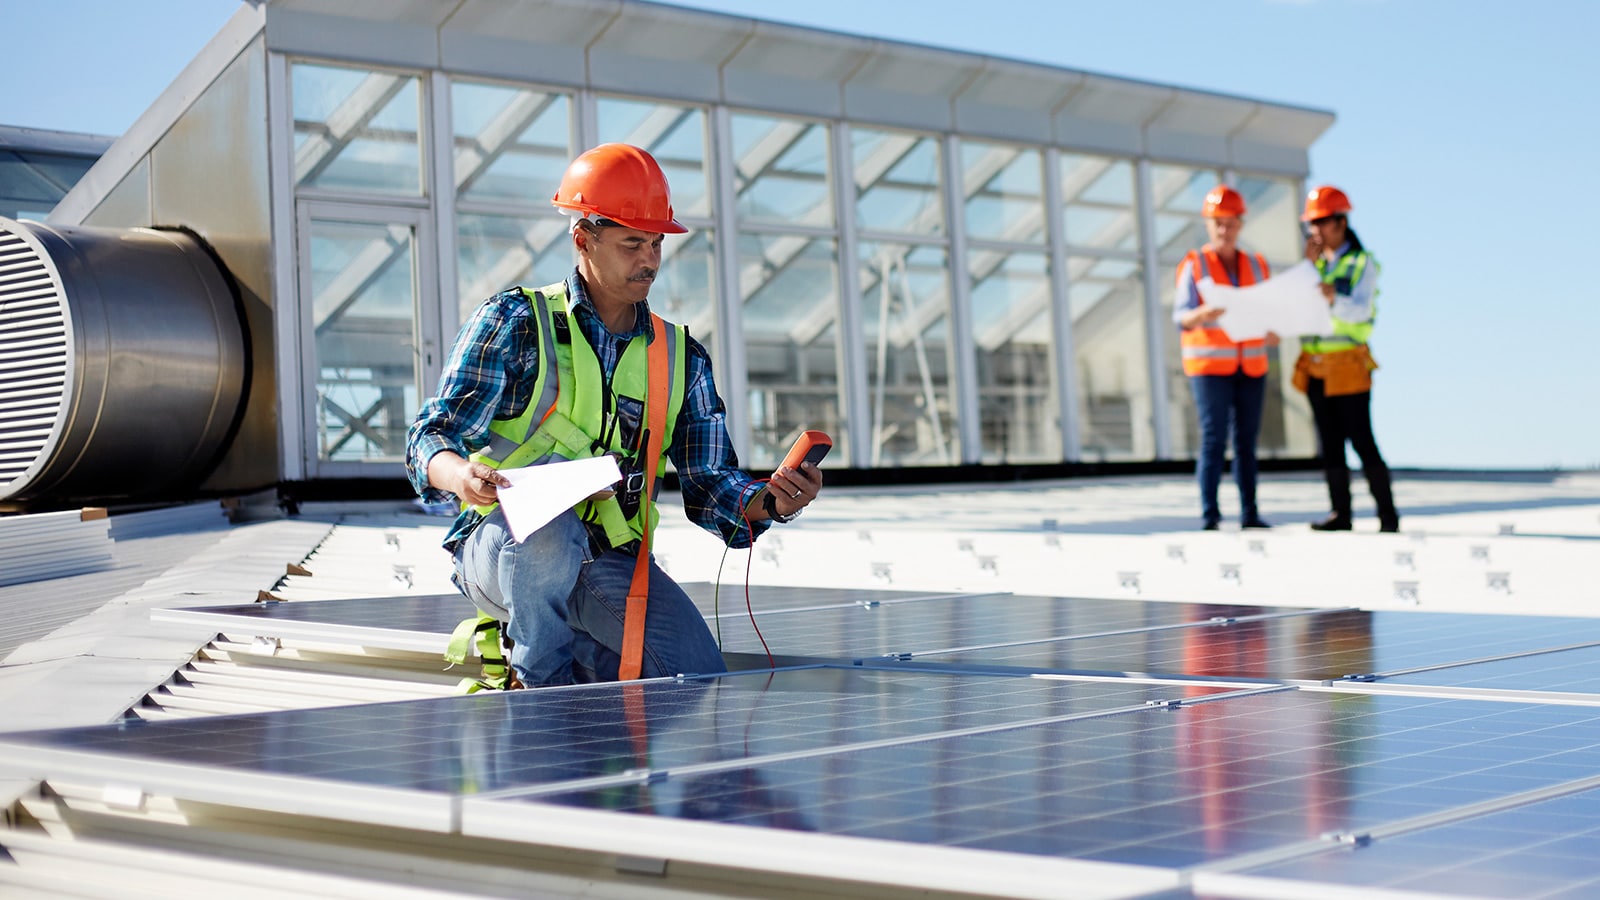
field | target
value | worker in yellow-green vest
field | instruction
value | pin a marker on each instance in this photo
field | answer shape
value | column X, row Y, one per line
column 1335, row 371
column 1229, row 378
column 571, row 371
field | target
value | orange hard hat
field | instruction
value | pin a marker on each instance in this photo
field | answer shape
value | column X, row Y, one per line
column 1223, row 201
column 1325, row 201
column 622, row 183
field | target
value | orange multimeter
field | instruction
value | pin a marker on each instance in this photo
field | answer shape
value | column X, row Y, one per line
column 809, row 447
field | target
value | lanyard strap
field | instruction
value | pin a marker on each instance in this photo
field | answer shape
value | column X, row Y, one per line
column 639, row 589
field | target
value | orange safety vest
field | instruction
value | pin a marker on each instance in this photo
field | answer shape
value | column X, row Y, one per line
column 1208, row 351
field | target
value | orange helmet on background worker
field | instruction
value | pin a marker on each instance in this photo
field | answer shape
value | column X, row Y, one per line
column 1325, row 201
column 622, row 183
column 1223, row 201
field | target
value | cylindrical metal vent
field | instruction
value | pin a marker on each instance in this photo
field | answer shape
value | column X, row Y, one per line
column 122, row 363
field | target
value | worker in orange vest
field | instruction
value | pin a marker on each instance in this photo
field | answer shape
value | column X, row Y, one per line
column 1229, row 378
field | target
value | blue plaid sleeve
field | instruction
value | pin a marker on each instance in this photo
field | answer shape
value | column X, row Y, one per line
column 714, row 488
column 492, row 352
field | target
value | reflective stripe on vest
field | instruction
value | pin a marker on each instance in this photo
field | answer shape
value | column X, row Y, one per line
column 1347, row 269
column 568, row 415
column 1209, row 351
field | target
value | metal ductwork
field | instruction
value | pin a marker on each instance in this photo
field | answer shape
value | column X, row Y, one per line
column 123, row 363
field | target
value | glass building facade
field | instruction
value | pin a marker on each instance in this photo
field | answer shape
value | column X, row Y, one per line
column 939, row 259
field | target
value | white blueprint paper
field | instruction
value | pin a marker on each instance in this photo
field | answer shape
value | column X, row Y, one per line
column 540, row 493
column 1289, row 303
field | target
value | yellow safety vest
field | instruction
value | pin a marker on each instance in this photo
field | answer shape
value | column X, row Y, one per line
column 568, row 415
column 1344, row 274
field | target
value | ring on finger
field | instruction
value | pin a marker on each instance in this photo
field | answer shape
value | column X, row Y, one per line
column 795, row 496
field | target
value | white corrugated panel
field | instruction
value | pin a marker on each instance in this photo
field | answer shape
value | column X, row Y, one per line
column 239, row 677
column 53, row 545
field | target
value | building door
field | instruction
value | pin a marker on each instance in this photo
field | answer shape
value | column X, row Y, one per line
column 370, row 333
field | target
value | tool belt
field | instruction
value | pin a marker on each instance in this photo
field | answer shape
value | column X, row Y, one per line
column 1342, row 372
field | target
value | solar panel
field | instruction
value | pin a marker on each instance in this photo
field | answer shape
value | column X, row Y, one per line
column 976, row 620
column 1165, row 786
column 508, row 740
column 1545, row 849
column 950, row 721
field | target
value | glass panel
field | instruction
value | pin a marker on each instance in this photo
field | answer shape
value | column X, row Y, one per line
column 1018, row 420
column 1003, row 188
column 498, row 252
column 1272, row 225
column 674, row 135
column 510, row 144
column 780, row 171
column 1099, row 210
column 1106, row 301
column 41, row 179
column 356, row 130
column 791, row 305
column 685, row 291
column 897, row 182
column 905, row 315
column 1177, row 193
column 363, row 302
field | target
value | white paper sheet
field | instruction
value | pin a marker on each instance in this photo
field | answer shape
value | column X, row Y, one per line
column 1289, row 303
column 540, row 493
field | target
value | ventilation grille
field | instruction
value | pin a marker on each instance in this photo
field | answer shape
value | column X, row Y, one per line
column 33, row 356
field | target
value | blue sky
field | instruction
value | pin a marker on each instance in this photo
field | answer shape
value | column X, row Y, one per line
column 1466, row 139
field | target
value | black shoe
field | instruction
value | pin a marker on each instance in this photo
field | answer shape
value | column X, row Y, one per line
column 1334, row 522
column 1257, row 522
column 1211, row 525
column 1389, row 526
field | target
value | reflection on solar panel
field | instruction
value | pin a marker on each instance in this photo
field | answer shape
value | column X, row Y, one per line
column 1544, row 849
column 1318, row 646
column 973, row 621
column 1231, row 749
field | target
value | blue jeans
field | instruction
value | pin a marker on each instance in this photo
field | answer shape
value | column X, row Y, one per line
column 564, row 606
column 1222, row 400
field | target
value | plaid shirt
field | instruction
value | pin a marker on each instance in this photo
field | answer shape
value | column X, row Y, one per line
column 490, row 375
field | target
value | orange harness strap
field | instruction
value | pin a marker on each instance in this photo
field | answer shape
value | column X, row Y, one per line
column 639, row 588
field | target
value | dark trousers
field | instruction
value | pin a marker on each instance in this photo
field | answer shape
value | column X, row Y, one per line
column 1224, row 403
column 1349, row 418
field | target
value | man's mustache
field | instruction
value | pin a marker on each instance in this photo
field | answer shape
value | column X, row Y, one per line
column 644, row 275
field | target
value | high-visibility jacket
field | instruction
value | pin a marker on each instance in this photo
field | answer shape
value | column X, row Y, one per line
column 1207, row 350
column 1345, row 274
column 575, row 414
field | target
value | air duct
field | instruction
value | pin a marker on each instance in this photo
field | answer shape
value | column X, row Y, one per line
column 123, row 363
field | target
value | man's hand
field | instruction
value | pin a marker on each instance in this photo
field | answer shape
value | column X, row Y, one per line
column 474, row 482
column 1201, row 315
column 793, row 489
